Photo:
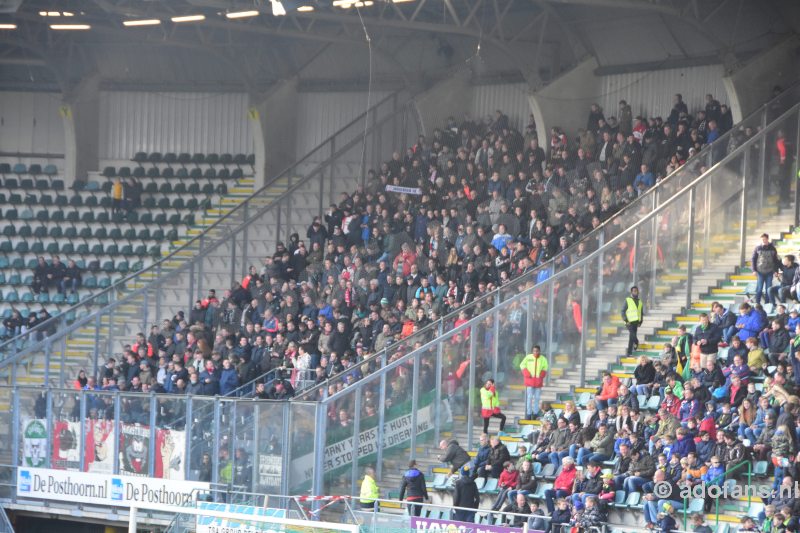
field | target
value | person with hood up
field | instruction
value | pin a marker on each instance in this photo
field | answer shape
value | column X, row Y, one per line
column 466, row 495
column 413, row 488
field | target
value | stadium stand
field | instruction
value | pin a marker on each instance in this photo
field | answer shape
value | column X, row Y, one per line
column 43, row 219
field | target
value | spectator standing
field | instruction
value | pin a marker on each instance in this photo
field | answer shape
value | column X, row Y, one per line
column 453, row 454
column 413, row 488
column 466, row 495
column 632, row 315
column 369, row 489
column 765, row 263
column 534, row 369
column 490, row 406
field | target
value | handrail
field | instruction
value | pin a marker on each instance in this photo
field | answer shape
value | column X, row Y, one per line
column 275, row 201
column 637, row 203
column 588, row 258
column 724, row 476
column 5, row 523
column 155, row 266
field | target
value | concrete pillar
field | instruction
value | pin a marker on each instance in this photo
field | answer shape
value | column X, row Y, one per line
column 80, row 113
column 565, row 101
column 273, row 119
column 750, row 85
column 452, row 96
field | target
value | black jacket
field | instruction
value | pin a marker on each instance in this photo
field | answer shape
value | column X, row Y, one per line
column 466, row 493
column 455, row 455
column 413, row 485
column 712, row 335
column 499, row 455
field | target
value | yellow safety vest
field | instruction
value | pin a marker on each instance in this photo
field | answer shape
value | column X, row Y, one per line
column 489, row 400
column 633, row 310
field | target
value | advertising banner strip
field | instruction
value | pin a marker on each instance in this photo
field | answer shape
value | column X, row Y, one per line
column 103, row 489
column 452, row 526
column 208, row 524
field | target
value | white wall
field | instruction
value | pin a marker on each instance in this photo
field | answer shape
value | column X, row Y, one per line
column 650, row 93
column 511, row 98
column 133, row 122
column 321, row 114
column 30, row 123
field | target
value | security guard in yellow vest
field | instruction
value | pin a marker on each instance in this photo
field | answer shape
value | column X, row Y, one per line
column 632, row 315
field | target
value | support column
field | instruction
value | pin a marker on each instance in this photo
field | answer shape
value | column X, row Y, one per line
column 80, row 114
column 273, row 122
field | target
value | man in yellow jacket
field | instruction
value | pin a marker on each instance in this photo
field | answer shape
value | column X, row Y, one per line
column 534, row 369
column 369, row 489
column 490, row 406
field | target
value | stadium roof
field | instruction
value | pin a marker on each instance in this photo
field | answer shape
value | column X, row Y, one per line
column 324, row 41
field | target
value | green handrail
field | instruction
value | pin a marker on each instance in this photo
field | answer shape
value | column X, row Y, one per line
column 724, row 476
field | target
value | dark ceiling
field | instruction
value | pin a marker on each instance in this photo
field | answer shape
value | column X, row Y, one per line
column 412, row 42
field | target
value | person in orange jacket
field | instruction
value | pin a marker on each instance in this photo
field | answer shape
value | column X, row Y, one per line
column 608, row 392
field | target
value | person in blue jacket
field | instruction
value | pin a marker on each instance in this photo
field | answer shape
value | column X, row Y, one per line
column 749, row 323
column 481, row 459
column 228, row 379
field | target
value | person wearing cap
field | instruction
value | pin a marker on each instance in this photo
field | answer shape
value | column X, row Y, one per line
column 632, row 315
column 465, row 496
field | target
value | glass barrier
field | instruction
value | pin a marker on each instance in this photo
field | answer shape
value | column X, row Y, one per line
column 220, row 254
column 243, row 445
column 675, row 250
column 643, row 206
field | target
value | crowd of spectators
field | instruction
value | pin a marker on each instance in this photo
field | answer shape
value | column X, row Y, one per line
column 481, row 204
column 727, row 395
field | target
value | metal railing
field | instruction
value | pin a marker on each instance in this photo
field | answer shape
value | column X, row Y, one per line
column 685, row 233
column 642, row 205
column 5, row 523
column 723, row 478
column 227, row 237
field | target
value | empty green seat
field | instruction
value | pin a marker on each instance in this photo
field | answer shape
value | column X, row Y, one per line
column 237, row 174
column 194, row 188
column 150, row 188
column 97, row 249
column 115, row 233
column 175, row 219
column 85, row 233
column 124, row 172
column 55, row 232
column 179, row 188
column 40, row 232
column 160, row 219
column 163, row 203
column 37, row 248
column 89, row 281
column 122, row 267
column 76, row 200
column 112, row 249
column 59, row 298
column 226, row 159
column 50, row 170
column 146, row 218
column 140, row 250
column 192, row 204
column 199, row 159
column 101, row 233
column 73, row 217
column 92, row 201
column 129, row 234
column 149, row 202
column 170, row 158
column 210, row 174
column 153, row 172
column 20, row 168
column 138, row 172
column 165, row 188
column 168, row 173
column 184, row 159
column 82, row 249
column 88, row 217
column 140, row 157
column 182, row 173
column 108, row 266
column 67, row 248
column 212, row 159
column 109, row 172
column 144, row 234
column 196, row 173
column 126, row 250
column 154, row 157
column 25, row 231
column 57, row 185
column 70, row 232
column 61, row 200
column 52, row 248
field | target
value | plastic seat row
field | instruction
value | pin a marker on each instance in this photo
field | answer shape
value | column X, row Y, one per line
column 182, row 173
column 163, row 218
column 34, row 169
column 28, row 184
column 88, row 231
column 98, row 248
column 89, row 281
column 198, row 159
